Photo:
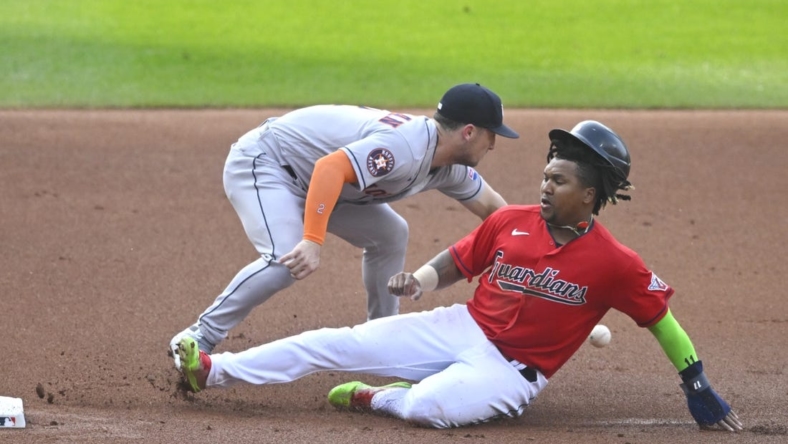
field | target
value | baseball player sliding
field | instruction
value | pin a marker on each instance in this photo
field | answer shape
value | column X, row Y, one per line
column 549, row 273
column 286, row 177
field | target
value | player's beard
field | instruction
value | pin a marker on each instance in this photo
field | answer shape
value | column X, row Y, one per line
column 547, row 210
column 548, row 216
column 469, row 158
column 470, row 163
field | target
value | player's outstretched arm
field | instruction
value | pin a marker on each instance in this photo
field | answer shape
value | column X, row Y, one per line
column 485, row 203
column 706, row 406
column 439, row 272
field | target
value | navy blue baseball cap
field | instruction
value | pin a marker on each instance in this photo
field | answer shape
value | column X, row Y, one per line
column 477, row 105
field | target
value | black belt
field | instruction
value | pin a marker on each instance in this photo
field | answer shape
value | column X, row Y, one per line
column 290, row 171
column 528, row 373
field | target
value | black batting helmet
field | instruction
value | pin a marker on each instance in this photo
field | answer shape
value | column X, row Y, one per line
column 599, row 138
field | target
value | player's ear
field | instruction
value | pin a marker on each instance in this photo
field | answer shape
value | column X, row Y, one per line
column 589, row 195
column 468, row 131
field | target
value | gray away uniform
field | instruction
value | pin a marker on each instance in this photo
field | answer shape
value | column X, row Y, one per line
column 266, row 177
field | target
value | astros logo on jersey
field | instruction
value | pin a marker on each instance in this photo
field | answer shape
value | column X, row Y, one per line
column 380, row 162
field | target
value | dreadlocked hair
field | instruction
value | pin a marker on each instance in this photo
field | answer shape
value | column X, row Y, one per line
column 594, row 171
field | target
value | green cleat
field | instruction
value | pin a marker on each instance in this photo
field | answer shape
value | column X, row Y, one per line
column 358, row 396
column 195, row 363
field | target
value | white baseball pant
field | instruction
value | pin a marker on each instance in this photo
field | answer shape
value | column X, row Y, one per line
column 462, row 377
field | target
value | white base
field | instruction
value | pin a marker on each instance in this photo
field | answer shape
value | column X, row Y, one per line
column 12, row 415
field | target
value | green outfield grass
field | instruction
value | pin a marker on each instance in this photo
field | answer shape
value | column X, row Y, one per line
column 535, row 53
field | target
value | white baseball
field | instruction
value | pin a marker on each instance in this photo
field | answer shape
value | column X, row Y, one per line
column 600, row 336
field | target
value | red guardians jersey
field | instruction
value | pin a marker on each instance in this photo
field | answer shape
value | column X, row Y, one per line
column 538, row 301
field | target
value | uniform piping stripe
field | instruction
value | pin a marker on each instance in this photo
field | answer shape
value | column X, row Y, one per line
column 268, row 264
column 457, row 259
column 651, row 321
column 260, row 203
column 476, row 193
column 363, row 183
column 273, row 249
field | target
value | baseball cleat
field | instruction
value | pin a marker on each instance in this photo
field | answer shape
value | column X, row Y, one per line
column 193, row 332
column 195, row 363
column 358, row 396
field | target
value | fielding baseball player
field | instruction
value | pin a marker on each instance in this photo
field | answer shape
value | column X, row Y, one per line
column 549, row 273
column 286, row 177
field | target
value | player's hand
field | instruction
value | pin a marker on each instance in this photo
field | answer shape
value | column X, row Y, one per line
column 706, row 406
column 709, row 410
column 731, row 422
column 303, row 260
column 405, row 285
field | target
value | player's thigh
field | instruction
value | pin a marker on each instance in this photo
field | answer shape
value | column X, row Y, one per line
column 411, row 346
column 368, row 226
column 267, row 201
column 479, row 387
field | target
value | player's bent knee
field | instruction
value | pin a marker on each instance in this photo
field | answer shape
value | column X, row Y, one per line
column 426, row 414
column 395, row 236
column 402, row 231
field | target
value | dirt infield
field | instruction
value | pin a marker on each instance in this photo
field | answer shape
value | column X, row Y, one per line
column 116, row 233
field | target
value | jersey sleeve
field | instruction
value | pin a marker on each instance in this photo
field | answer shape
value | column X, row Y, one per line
column 459, row 182
column 641, row 294
column 474, row 253
column 382, row 155
column 330, row 174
